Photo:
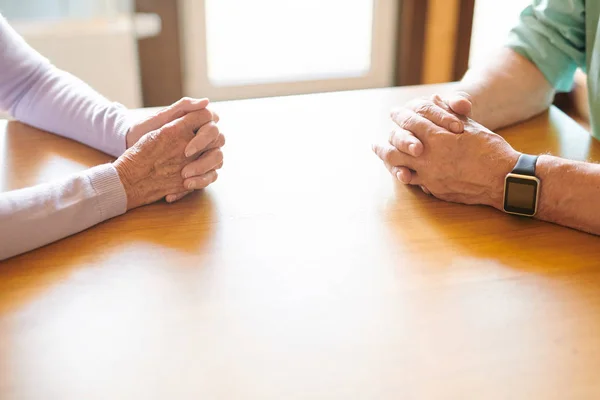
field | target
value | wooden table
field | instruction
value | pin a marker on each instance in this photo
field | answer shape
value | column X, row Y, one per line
column 305, row 272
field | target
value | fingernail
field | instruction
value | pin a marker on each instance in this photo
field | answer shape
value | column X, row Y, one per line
column 412, row 149
column 190, row 151
column 191, row 185
column 169, row 198
column 455, row 127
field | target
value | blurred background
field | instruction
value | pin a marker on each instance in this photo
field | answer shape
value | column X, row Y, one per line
column 152, row 52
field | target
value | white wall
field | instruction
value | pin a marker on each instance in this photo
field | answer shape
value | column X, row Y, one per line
column 94, row 40
column 102, row 53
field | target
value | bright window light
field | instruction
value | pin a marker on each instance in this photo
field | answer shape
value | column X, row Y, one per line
column 263, row 41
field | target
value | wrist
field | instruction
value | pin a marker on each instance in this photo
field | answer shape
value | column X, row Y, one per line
column 497, row 176
column 123, row 171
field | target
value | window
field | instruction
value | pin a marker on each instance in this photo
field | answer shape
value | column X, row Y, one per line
column 491, row 23
column 238, row 49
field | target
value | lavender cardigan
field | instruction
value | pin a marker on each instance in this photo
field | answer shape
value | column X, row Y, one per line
column 35, row 92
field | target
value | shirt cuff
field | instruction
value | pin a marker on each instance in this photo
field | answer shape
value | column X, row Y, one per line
column 110, row 193
column 550, row 44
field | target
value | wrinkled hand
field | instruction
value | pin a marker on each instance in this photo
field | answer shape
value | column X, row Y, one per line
column 157, row 166
column 467, row 168
column 173, row 112
column 444, row 112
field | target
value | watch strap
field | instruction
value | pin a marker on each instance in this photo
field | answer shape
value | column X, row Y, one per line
column 525, row 165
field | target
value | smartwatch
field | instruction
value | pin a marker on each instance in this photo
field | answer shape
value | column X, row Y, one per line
column 522, row 188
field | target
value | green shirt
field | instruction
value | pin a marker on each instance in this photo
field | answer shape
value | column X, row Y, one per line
column 558, row 36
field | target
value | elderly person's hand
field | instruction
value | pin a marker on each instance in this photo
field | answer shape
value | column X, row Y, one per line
column 177, row 110
column 442, row 111
column 467, row 168
column 161, row 163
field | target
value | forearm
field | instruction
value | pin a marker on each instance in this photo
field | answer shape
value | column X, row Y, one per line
column 58, row 102
column 569, row 193
column 39, row 94
column 507, row 90
column 36, row 216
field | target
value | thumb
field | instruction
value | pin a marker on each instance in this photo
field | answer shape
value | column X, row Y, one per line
column 460, row 103
column 163, row 117
column 175, row 111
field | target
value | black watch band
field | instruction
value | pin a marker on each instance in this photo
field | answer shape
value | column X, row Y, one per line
column 525, row 165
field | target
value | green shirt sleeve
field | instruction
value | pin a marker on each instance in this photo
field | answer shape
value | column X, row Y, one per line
column 551, row 34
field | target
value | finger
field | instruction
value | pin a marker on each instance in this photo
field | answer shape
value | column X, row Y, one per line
column 192, row 121
column 406, row 142
column 394, row 157
column 425, row 190
column 430, row 110
column 176, row 197
column 403, row 174
column 215, row 144
column 207, row 134
column 173, row 112
column 406, row 175
column 461, row 103
column 218, row 142
column 419, row 126
column 208, row 161
column 201, row 181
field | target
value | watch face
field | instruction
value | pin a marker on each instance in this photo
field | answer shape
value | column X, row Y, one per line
column 520, row 194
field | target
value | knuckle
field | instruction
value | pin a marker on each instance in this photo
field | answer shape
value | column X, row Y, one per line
column 219, row 155
column 447, row 119
column 166, row 131
column 156, row 134
column 435, row 98
column 424, row 109
column 204, row 116
column 380, row 150
column 185, row 101
column 406, row 122
column 387, row 155
column 187, row 125
column 213, row 130
column 403, row 144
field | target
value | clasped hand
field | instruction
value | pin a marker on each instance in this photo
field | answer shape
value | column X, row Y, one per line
column 171, row 153
column 438, row 147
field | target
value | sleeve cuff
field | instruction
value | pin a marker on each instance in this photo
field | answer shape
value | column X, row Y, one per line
column 110, row 193
column 549, row 38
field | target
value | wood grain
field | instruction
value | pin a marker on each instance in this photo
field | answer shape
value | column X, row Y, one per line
column 306, row 271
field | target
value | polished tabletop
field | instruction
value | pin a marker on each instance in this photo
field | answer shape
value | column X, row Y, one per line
column 304, row 272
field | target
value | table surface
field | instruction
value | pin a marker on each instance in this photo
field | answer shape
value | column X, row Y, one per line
column 304, row 272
